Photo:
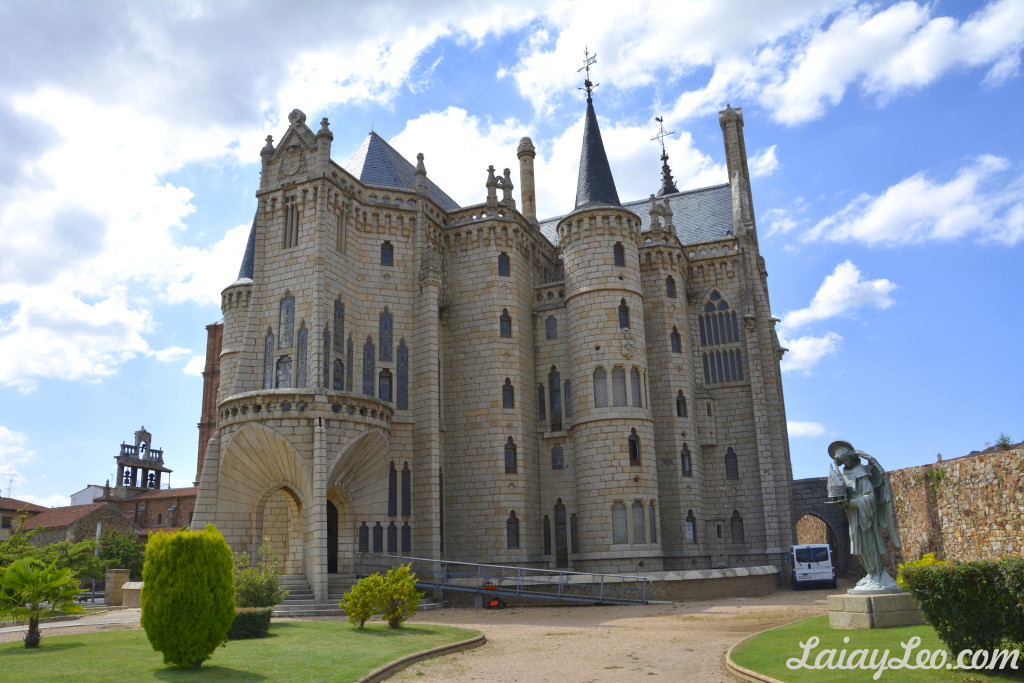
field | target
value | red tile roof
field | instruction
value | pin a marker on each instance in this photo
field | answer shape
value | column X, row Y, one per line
column 166, row 493
column 56, row 518
column 15, row 504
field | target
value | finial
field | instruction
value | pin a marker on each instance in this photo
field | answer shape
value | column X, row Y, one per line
column 506, row 189
column 324, row 129
column 296, row 117
column 269, row 147
column 662, row 134
column 420, row 168
column 421, row 175
column 588, row 60
column 668, row 186
column 492, row 186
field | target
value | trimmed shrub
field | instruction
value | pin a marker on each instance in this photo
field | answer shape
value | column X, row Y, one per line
column 928, row 560
column 250, row 622
column 187, row 597
column 362, row 600
column 258, row 585
column 1012, row 570
column 399, row 599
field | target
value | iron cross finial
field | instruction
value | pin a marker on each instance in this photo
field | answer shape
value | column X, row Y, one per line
column 662, row 133
column 588, row 60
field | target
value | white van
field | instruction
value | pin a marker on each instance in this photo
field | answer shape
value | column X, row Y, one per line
column 812, row 565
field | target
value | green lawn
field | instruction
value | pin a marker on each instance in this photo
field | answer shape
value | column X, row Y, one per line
column 768, row 653
column 294, row 651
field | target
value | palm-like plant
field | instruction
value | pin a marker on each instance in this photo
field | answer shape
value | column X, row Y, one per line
column 30, row 589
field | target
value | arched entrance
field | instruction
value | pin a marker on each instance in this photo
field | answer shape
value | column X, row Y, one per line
column 279, row 524
column 332, row 538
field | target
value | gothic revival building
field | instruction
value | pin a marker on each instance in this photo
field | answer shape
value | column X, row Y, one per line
column 598, row 391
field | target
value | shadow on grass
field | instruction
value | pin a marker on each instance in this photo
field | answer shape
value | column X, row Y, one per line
column 56, row 646
column 394, row 632
column 213, row 673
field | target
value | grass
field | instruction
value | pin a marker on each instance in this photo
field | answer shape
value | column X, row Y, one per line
column 294, row 651
column 768, row 652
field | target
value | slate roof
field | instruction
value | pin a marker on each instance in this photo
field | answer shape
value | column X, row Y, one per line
column 56, row 518
column 699, row 215
column 595, row 185
column 15, row 504
column 249, row 258
column 378, row 163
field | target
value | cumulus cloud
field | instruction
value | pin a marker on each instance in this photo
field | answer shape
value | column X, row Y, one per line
column 804, row 429
column 807, row 351
column 195, row 366
column 980, row 201
column 764, row 163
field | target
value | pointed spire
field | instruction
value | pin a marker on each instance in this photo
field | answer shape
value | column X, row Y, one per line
column 249, row 257
column 668, row 186
column 596, row 184
column 421, row 175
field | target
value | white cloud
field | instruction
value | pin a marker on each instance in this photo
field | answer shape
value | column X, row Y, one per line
column 979, row 201
column 764, row 162
column 13, row 449
column 807, row 351
column 195, row 366
column 53, row 501
column 804, row 429
column 171, row 354
column 842, row 291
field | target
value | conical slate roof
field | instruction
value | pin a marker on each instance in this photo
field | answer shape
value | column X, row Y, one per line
column 249, row 258
column 377, row 163
column 595, row 185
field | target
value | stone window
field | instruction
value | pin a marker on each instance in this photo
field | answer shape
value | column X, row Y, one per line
column 718, row 326
column 568, row 399
column 268, row 360
column 326, row 339
column 290, row 234
column 369, row 369
column 159, row 519
column 685, row 461
column 406, row 490
column 619, row 253
column 574, row 534
column 505, row 324
column 723, row 366
column 691, row 527
column 392, row 490
column 338, row 375
column 541, row 399
column 5, row 522
column 402, row 378
column 623, row 314
column 670, row 287
column 504, row 265
column 561, row 537
column 339, row 325
column 680, row 404
column 510, row 456
column 406, row 539
column 551, row 327
column 512, row 530
column 557, row 458
column 677, row 341
column 349, row 355
column 652, row 513
column 283, row 378
column 547, row 535
column 364, row 538
column 392, row 538
column 732, row 470
column 286, row 321
column 555, row 395
column 508, row 394
column 378, row 538
column 736, row 522
column 387, row 254
column 619, row 529
column 634, row 382
column 385, row 331
column 600, row 389
column 639, row 523
column 301, row 356
column 634, row 447
column 619, row 386
column 384, row 384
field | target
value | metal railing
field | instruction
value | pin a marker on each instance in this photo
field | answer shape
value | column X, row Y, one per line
column 494, row 579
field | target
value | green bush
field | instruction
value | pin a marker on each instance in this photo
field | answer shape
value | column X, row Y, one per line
column 259, row 585
column 928, row 560
column 30, row 589
column 399, row 599
column 1012, row 570
column 250, row 622
column 362, row 600
column 187, row 596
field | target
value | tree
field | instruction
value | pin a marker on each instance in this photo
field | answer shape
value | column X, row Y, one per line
column 361, row 601
column 122, row 550
column 188, row 598
column 30, row 589
column 259, row 585
column 399, row 598
column 79, row 557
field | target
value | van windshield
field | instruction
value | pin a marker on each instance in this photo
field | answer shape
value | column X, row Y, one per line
column 805, row 555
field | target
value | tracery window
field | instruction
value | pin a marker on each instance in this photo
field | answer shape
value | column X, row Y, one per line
column 385, row 331
column 402, row 379
column 369, row 369
column 286, row 321
column 504, row 265
column 512, row 530
column 719, row 327
column 732, row 470
column 619, row 386
column 551, row 327
column 338, row 375
column 600, row 389
column 639, row 523
column 301, row 355
column 619, row 529
column 505, row 324
column 508, row 394
column 510, row 456
column 283, row 377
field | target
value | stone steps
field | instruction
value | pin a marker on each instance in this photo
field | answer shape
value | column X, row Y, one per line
column 301, row 603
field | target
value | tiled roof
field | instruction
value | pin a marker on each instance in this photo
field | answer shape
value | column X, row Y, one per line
column 378, row 163
column 595, row 185
column 167, row 493
column 55, row 518
column 699, row 215
column 15, row 504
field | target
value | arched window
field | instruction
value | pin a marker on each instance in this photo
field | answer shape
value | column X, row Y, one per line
column 510, row 456
column 406, row 491
column 555, row 396
column 634, row 447
column 268, row 360
column 680, row 404
column 670, row 287
column 349, row 355
column 504, row 265
column 327, row 357
column 378, row 538
column 600, row 389
column 551, row 327
column 159, row 519
column 339, row 325
column 392, row 490
column 652, row 514
column 406, row 539
column 542, row 413
column 574, row 534
column 283, row 377
column 732, row 470
column 505, row 324
column 512, row 530
column 557, row 458
column 547, row 535
column 338, row 375
column 369, row 373
column 402, row 380
column 639, row 524
column 718, row 327
column 691, row 527
column 392, row 538
column 508, row 394
column 385, row 332
column 677, row 341
column 619, row 530
column 387, row 254
column 364, row 538
column 619, row 386
column 634, row 384
column 290, row 234
column 623, row 314
column 301, row 356
column 619, row 253
column 736, row 522
column 568, row 399
column 384, row 385
column 286, row 320
column 685, row 461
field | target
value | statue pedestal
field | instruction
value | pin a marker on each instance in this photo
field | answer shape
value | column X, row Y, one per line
column 879, row 610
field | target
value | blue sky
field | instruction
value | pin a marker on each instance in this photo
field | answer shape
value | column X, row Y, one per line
column 884, row 140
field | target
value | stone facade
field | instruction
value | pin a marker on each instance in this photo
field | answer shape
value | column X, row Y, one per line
column 598, row 391
column 77, row 523
column 11, row 512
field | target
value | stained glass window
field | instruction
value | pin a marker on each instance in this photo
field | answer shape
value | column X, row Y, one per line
column 268, row 360
column 301, row 357
column 619, row 386
column 619, row 530
column 504, row 265
column 338, row 375
column 339, row 325
column 402, row 380
column 384, row 385
column 284, row 372
column 369, row 370
column 286, row 327
column 327, row 357
column 600, row 389
column 349, row 354
column 385, row 335
column 639, row 524
column 634, row 377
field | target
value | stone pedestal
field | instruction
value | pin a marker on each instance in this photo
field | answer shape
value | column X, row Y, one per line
column 883, row 610
column 115, row 580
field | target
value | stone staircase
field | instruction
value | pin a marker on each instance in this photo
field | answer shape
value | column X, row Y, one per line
column 300, row 601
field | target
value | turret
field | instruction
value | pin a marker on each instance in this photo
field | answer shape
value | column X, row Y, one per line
column 527, row 191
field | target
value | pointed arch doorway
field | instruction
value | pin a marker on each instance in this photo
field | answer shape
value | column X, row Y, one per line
column 332, row 538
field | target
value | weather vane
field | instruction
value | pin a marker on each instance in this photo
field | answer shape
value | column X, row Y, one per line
column 662, row 133
column 588, row 59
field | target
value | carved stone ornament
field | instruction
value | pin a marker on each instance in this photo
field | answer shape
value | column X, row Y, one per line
column 296, row 116
column 628, row 343
column 292, row 160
